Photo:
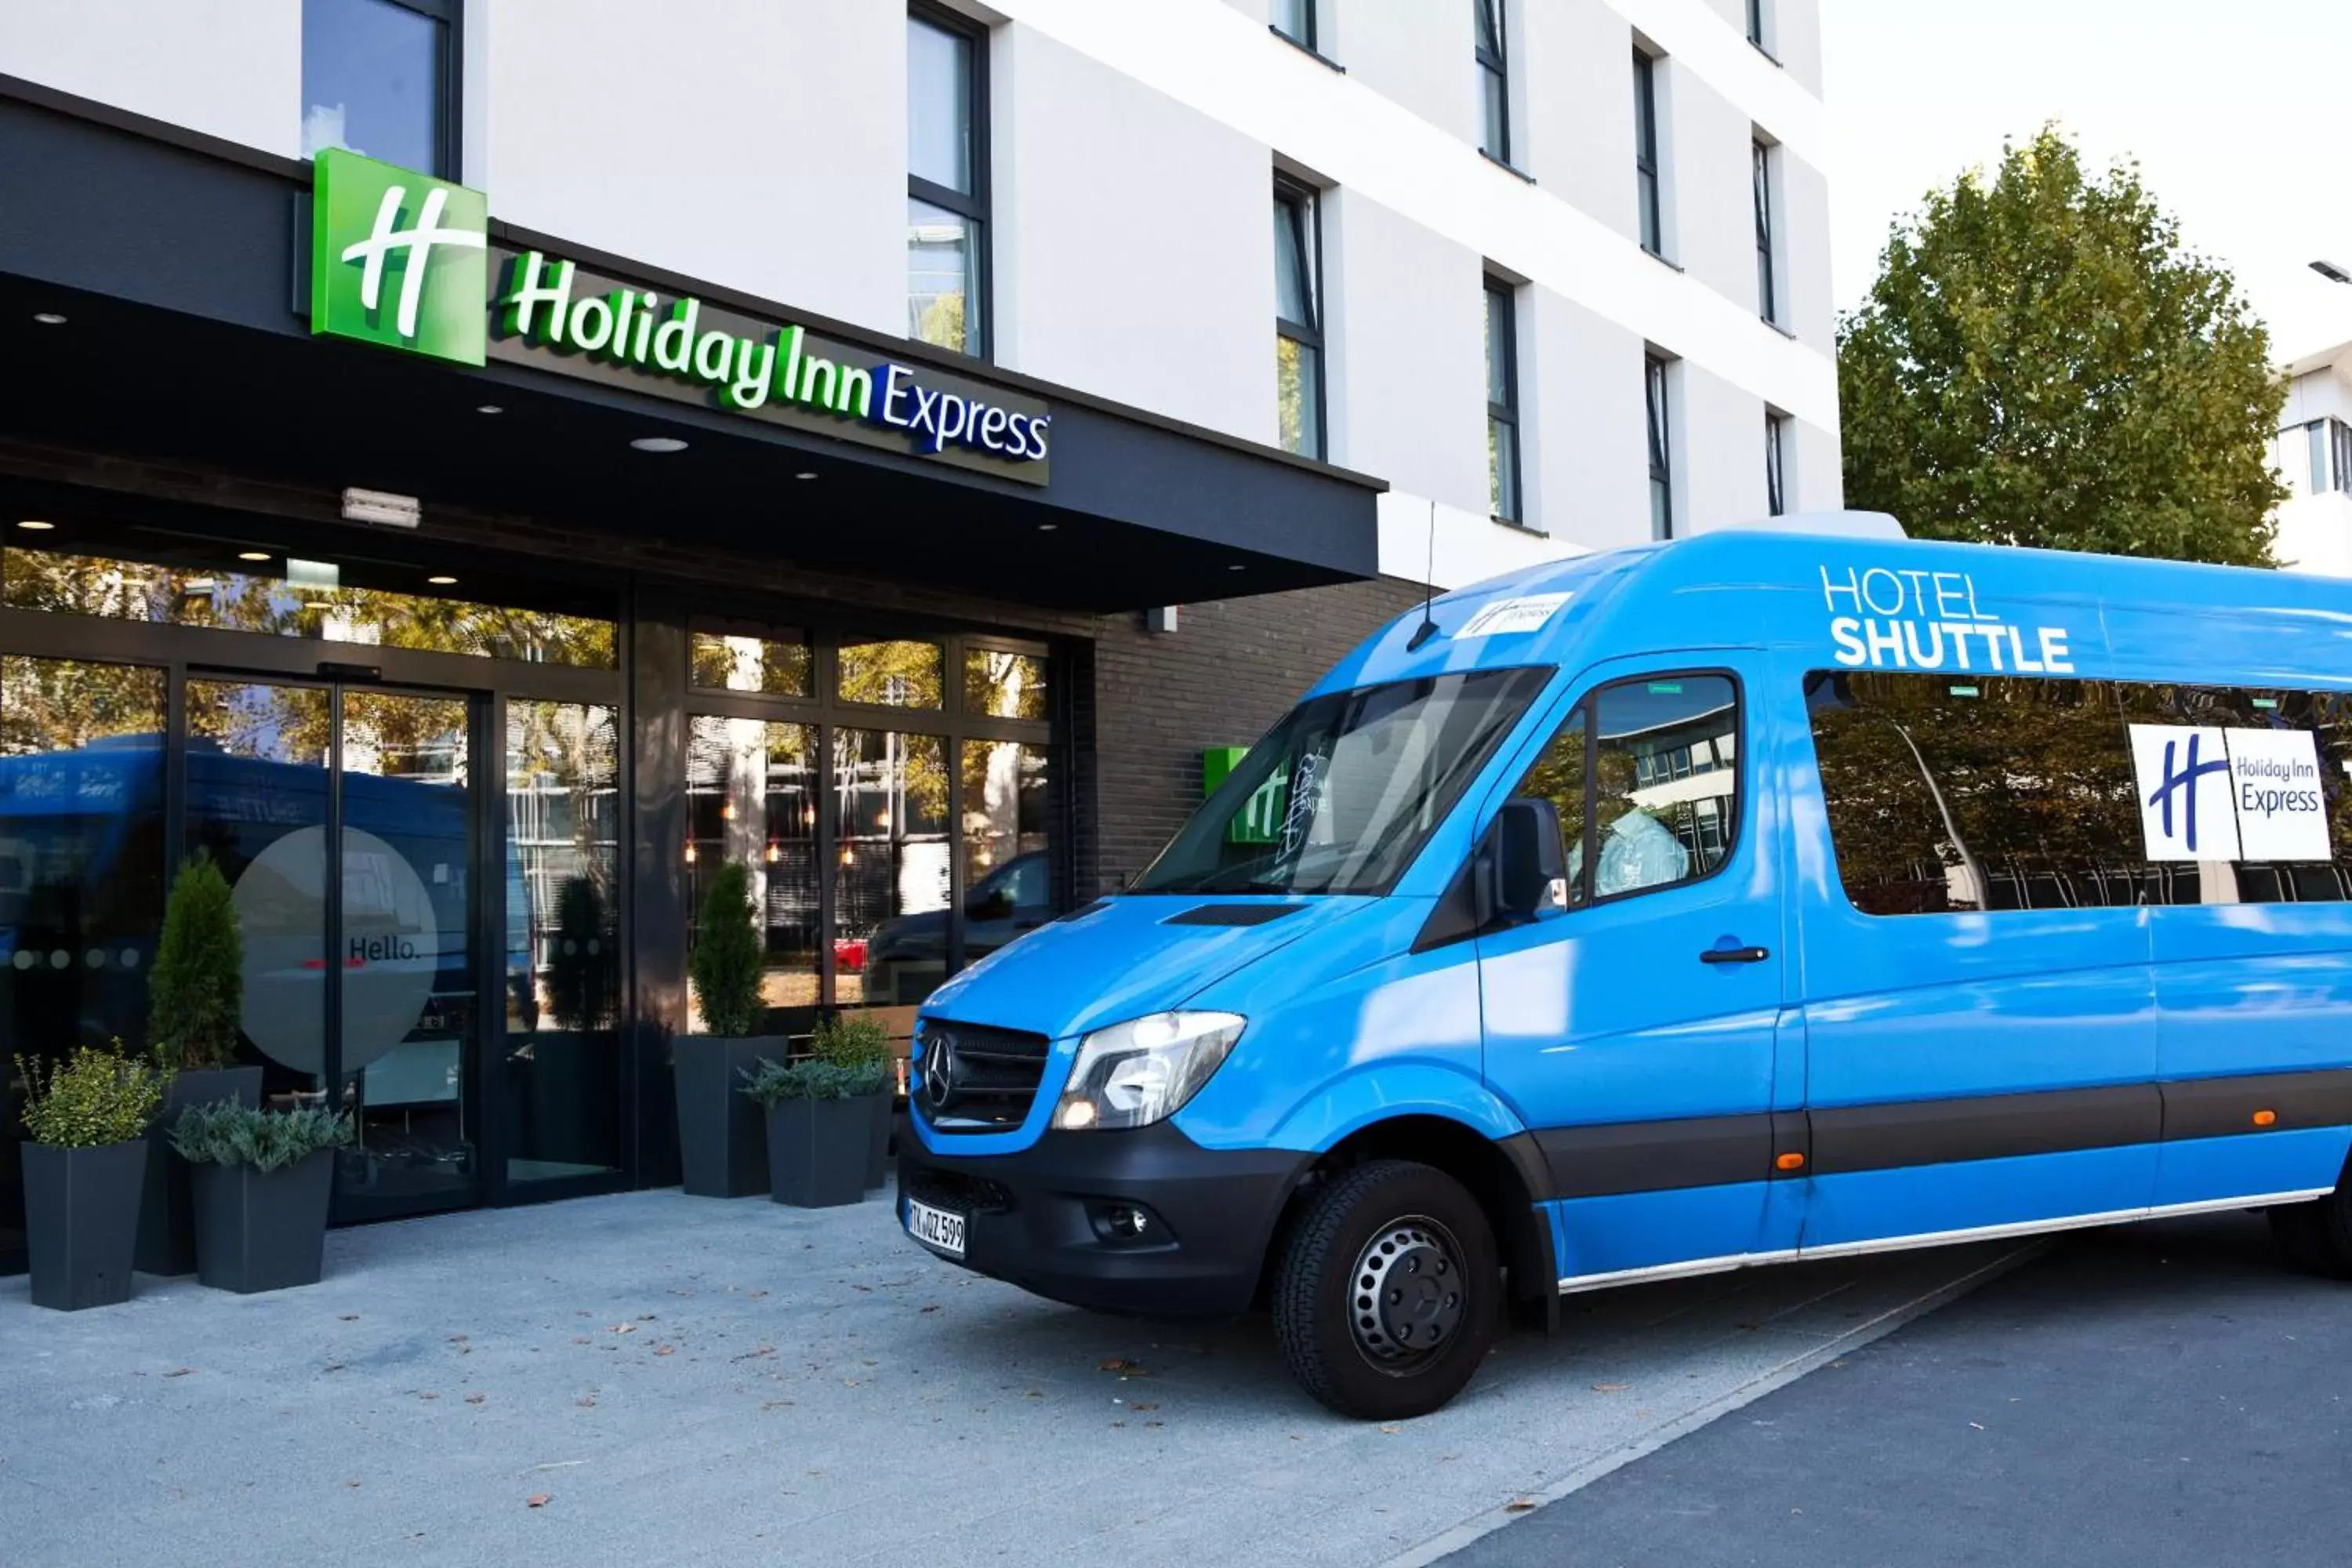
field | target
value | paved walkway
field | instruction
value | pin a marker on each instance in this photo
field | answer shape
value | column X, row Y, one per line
column 2162, row 1397
column 654, row 1379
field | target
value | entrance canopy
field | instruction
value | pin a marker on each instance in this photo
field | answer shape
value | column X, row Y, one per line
column 177, row 267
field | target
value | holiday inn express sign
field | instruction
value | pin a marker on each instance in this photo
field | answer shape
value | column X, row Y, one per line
column 406, row 261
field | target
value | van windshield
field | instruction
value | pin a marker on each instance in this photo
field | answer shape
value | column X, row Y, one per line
column 1341, row 795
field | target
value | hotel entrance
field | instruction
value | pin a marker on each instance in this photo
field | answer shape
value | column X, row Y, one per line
column 412, row 796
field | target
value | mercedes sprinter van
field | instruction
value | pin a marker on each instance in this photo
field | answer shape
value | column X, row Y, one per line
column 1744, row 898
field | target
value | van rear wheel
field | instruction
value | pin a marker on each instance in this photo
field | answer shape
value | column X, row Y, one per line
column 1386, row 1293
column 2317, row 1237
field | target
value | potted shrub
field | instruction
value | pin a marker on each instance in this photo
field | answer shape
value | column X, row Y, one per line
column 85, row 1156
column 261, row 1181
column 862, row 1044
column 196, row 999
column 719, row 1134
column 820, row 1128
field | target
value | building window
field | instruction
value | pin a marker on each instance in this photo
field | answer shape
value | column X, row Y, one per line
column 1645, row 151
column 1768, row 299
column 379, row 78
column 2316, row 432
column 1294, row 20
column 1502, row 403
column 1494, row 80
column 1776, row 471
column 1298, row 319
column 1755, row 24
column 947, row 182
column 2343, row 444
column 1662, row 484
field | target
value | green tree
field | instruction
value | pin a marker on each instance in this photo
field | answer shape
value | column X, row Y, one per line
column 725, row 965
column 195, row 994
column 2041, row 362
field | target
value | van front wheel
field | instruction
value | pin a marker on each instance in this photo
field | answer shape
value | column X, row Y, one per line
column 1385, row 1295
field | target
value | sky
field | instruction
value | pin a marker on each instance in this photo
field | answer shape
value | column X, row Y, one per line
column 2239, row 112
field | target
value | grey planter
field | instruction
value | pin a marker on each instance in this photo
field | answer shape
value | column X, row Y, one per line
column 817, row 1151
column 81, row 1221
column 262, row 1230
column 721, row 1141
column 167, row 1233
column 877, row 1156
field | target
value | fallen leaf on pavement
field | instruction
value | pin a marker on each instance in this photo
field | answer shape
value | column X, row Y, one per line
column 1391, row 1428
column 585, row 1402
column 664, row 1350
column 1519, row 1505
column 349, row 1318
column 1144, row 1404
column 539, row 1500
column 622, row 1329
column 180, row 1372
column 475, row 1398
column 1611, row 1388
column 1117, row 1364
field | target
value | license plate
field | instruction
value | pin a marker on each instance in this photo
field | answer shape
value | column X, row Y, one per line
column 935, row 1228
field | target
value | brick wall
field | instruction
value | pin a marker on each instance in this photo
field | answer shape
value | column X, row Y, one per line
column 1228, row 672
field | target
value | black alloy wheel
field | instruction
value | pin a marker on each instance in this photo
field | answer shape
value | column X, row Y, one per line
column 1386, row 1293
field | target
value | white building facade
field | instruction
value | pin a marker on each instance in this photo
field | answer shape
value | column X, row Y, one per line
column 1632, row 191
column 2313, row 455
column 970, row 426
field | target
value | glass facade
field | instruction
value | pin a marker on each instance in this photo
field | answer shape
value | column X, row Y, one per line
column 465, row 852
column 378, row 78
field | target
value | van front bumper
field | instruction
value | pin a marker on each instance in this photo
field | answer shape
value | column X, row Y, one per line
column 1056, row 1218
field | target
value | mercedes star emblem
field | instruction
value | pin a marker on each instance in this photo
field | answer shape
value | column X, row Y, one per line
column 939, row 1070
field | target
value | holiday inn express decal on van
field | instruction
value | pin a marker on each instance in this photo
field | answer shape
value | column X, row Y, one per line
column 404, row 261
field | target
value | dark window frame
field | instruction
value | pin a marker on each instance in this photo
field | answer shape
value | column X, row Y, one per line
column 1755, row 24
column 1493, row 74
column 1586, row 710
column 1768, row 291
column 1775, row 464
column 979, row 315
column 2341, row 434
column 449, row 123
column 1504, row 343
column 1657, row 405
column 1651, row 225
column 1303, row 204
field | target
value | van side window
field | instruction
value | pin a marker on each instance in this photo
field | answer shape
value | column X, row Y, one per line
column 2009, row 792
column 1557, row 776
column 1665, row 785
column 1952, row 794
column 2259, row 877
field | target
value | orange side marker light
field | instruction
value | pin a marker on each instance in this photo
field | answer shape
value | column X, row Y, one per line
column 2264, row 1118
column 1793, row 1161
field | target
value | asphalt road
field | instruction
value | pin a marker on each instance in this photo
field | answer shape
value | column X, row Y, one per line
column 2162, row 1397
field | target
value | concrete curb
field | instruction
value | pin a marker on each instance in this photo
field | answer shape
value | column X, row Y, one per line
column 1446, row 1543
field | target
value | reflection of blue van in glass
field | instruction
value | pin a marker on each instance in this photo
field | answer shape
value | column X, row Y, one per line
column 1750, row 898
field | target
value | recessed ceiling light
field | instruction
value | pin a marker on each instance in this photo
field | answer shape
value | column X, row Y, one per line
column 48, row 318
column 253, row 555
column 1236, row 566
column 488, row 408
column 36, row 526
column 1047, row 526
column 804, row 474
column 658, row 444
column 441, row 582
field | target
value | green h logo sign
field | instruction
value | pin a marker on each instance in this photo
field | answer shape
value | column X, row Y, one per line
column 398, row 258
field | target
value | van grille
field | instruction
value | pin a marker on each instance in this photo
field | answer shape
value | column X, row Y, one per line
column 972, row 1078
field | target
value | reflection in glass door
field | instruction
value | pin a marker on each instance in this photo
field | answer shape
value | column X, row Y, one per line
column 284, row 781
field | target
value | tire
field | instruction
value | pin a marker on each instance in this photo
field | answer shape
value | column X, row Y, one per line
column 1421, row 1244
column 2317, row 1237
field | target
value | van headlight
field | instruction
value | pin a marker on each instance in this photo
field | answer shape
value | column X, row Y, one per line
column 1143, row 1071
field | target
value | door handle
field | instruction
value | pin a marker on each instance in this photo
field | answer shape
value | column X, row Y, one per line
column 1734, row 955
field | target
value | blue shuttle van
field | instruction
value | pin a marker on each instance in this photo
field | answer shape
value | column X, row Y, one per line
column 1749, row 898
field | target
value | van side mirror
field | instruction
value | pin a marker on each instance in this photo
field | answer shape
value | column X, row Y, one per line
column 1527, row 864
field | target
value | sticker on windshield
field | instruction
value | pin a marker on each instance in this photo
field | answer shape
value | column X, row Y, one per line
column 1514, row 616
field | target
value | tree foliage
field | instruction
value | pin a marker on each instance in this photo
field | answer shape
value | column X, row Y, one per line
column 195, row 994
column 2041, row 362
column 726, row 963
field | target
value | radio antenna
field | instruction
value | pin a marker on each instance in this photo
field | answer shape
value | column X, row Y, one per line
column 1428, row 627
